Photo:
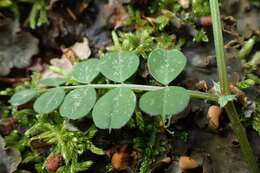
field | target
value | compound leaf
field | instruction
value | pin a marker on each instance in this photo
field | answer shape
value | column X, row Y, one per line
column 78, row 103
column 166, row 65
column 166, row 102
column 22, row 97
column 119, row 66
column 52, row 82
column 49, row 101
column 114, row 109
column 85, row 72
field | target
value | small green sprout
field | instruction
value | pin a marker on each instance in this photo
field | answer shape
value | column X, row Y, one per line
column 200, row 36
column 247, row 48
column 246, row 84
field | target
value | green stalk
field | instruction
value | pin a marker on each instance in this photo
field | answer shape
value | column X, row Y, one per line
column 193, row 94
column 223, row 77
column 242, row 138
column 219, row 47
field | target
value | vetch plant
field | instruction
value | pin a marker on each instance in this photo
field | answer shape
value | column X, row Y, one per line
column 115, row 108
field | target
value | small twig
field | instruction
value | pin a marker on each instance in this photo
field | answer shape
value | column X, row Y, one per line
column 72, row 15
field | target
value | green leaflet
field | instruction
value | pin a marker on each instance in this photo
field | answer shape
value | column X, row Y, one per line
column 22, row 97
column 166, row 102
column 78, row 103
column 85, row 72
column 200, row 36
column 114, row 109
column 49, row 101
column 53, row 82
column 119, row 66
column 166, row 65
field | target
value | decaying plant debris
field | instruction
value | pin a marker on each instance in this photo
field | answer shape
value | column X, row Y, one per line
column 113, row 86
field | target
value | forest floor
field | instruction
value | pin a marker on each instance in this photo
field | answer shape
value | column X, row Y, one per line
column 43, row 39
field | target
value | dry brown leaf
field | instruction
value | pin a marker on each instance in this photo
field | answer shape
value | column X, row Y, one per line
column 69, row 54
column 81, row 49
column 62, row 63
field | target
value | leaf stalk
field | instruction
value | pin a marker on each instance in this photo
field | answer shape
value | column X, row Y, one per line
column 193, row 94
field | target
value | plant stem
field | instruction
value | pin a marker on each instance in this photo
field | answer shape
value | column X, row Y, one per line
column 193, row 94
column 219, row 46
column 242, row 138
column 223, row 77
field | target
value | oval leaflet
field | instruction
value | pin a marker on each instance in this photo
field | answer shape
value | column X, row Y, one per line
column 78, row 103
column 85, row 72
column 166, row 102
column 166, row 65
column 49, row 101
column 22, row 97
column 119, row 66
column 114, row 109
